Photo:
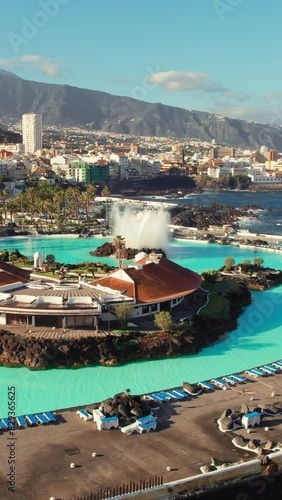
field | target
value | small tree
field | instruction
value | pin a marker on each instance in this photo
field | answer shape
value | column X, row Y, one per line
column 258, row 261
column 106, row 191
column 119, row 243
column 123, row 311
column 50, row 258
column 228, row 263
column 163, row 320
column 210, row 276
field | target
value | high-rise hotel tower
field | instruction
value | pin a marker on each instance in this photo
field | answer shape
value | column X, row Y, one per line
column 32, row 132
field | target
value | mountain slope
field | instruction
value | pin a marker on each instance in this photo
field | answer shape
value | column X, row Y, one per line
column 9, row 137
column 71, row 106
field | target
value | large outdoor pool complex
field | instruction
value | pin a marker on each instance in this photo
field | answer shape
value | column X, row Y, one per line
column 256, row 341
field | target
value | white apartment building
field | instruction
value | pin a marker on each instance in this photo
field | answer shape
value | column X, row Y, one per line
column 32, row 132
column 12, row 148
column 266, row 178
column 123, row 163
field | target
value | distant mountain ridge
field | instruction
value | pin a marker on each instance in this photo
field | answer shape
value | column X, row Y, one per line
column 71, row 106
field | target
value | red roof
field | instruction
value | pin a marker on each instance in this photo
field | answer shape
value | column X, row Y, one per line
column 14, row 270
column 156, row 281
column 9, row 279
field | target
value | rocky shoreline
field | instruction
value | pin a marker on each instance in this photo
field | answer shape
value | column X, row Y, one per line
column 202, row 217
column 113, row 350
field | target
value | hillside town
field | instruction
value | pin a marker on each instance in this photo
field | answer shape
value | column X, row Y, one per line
column 79, row 157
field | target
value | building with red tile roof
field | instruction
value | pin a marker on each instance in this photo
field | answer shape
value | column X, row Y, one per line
column 153, row 283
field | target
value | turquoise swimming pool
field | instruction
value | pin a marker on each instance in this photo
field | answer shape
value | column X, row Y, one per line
column 257, row 339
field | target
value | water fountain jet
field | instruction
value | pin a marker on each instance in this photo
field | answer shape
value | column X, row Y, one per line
column 142, row 229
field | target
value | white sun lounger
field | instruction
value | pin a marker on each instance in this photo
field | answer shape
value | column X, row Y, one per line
column 220, row 383
column 239, row 378
column 144, row 420
column 268, row 369
column 206, row 385
column 128, row 429
column 229, row 380
column 146, row 427
column 84, row 414
column 255, row 372
column 277, row 365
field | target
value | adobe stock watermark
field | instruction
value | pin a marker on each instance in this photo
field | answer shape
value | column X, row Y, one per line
column 30, row 27
column 223, row 7
column 260, row 313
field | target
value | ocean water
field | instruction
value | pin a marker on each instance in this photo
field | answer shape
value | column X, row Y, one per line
column 270, row 217
column 257, row 339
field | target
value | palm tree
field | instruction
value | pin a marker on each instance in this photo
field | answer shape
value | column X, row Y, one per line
column 119, row 243
column 106, row 191
column 5, row 195
column 12, row 208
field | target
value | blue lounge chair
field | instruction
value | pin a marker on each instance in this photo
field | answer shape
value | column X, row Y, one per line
column 180, row 391
column 147, row 426
column 8, row 422
column 174, row 395
column 148, row 418
column 21, row 421
column 31, row 420
column 220, row 383
column 84, row 414
column 229, row 379
column 239, row 378
column 155, row 397
column 159, row 396
column 206, row 385
column 269, row 369
column 277, row 365
column 255, row 372
column 2, row 425
column 41, row 418
column 164, row 395
column 50, row 416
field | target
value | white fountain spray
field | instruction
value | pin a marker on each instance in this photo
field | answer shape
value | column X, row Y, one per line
column 142, row 229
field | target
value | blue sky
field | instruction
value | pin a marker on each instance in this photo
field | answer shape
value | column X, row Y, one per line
column 222, row 56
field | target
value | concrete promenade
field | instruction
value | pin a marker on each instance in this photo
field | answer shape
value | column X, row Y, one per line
column 184, row 442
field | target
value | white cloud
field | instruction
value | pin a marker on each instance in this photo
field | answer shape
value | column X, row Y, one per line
column 257, row 113
column 45, row 65
column 6, row 63
column 175, row 81
column 187, row 81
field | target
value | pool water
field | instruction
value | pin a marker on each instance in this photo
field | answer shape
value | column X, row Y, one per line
column 256, row 341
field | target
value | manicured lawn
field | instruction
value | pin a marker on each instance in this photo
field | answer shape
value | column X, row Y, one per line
column 217, row 306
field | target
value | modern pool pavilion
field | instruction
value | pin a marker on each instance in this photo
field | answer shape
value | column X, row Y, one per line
column 152, row 284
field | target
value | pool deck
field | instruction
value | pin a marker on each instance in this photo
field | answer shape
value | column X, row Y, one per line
column 184, row 442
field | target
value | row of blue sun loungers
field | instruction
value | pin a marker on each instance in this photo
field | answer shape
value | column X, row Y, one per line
column 31, row 419
column 168, row 395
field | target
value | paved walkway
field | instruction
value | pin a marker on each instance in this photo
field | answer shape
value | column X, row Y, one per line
column 185, row 442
